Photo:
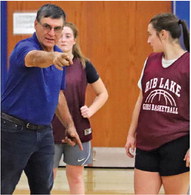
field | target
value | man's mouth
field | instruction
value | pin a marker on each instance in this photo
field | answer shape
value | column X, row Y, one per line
column 48, row 39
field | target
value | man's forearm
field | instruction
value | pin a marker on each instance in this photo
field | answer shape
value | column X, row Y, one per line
column 40, row 59
column 72, row 137
column 63, row 112
column 44, row 59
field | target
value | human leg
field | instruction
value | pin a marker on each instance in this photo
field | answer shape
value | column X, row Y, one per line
column 173, row 170
column 75, row 179
column 54, row 172
column 176, row 184
column 147, row 179
column 16, row 148
column 39, row 169
column 75, row 160
column 146, row 182
column 58, row 151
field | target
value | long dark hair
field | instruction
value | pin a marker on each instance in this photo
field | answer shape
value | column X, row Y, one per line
column 169, row 22
column 76, row 51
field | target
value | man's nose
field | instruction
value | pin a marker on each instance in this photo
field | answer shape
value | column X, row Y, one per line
column 51, row 32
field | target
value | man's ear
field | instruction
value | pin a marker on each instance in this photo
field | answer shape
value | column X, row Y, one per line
column 35, row 23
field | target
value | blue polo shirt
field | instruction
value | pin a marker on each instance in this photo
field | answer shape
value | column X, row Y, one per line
column 31, row 93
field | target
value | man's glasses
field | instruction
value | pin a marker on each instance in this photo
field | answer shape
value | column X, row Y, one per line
column 48, row 28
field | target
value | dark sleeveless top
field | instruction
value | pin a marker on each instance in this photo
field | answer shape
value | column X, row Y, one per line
column 164, row 114
column 77, row 79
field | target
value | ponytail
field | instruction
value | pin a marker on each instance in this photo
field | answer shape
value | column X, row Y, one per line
column 186, row 35
column 171, row 23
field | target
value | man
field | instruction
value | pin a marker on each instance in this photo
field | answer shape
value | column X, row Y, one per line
column 29, row 103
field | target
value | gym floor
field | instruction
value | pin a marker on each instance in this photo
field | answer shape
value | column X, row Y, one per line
column 111, row 173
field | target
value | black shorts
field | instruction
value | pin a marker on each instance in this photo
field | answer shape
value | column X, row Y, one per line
column 167, row 159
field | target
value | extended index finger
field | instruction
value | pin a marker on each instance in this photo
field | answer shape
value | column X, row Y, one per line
column 78, row 141
column 65, row 57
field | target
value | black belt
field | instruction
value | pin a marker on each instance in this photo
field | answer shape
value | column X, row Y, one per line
column 22, row 122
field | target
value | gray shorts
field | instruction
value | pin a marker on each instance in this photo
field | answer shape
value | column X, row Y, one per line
column 72, row 155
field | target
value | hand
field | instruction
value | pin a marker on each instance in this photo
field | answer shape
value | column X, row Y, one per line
column 130, row 146
column 85, row 111
column 187, row 158
column 72, row 138
column 62, row 59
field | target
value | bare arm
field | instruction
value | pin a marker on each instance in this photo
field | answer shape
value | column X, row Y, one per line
column 99, row 101
column 131, row 138
column 187, row 158
column 64, row 116
column 43, row 59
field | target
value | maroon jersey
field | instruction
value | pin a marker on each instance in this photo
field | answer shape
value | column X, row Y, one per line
column 164, row 114
column 77, row 79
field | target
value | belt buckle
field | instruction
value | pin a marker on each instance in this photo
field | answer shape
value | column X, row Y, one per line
column 27, row 125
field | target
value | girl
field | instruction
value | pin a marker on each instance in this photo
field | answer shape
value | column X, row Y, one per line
column 160, row 124
column 81, row 73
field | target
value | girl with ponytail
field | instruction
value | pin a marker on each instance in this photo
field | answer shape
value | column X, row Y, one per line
column 160, row 124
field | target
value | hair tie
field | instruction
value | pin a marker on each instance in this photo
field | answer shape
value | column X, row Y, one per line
column 179, row 21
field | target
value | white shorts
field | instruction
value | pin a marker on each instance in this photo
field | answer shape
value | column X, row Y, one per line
column 72, row 155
